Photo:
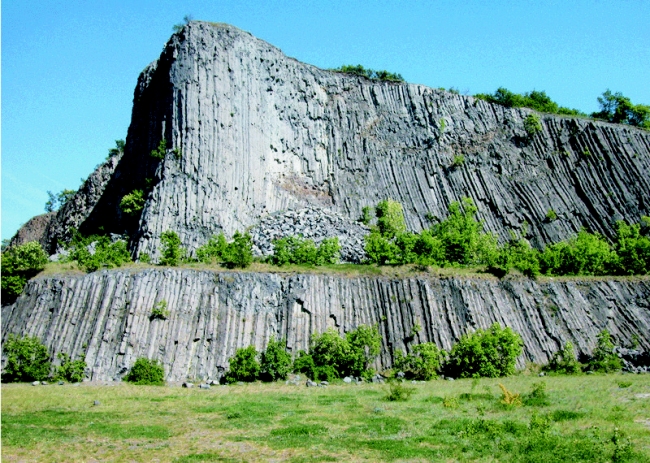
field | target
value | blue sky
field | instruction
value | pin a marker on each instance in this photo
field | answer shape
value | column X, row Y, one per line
column 69, row 67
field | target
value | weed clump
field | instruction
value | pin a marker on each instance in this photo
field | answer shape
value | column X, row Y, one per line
column 397, row 392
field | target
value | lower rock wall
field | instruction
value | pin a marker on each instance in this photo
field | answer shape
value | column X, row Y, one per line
column 105, row 316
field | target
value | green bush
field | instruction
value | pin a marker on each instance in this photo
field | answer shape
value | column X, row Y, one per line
column 107, row 254
column 132, row 203
column 538, row 397
column 564, row 361
column 584, row 254
column 632, row 249
column 304, row 363
column 458, row 161
column 171, row 254
column 27, row 359
column 487, row 353
column 359, row 70
column 603, row 359
column 397, row 392
column 422, row 363
column 619, row 109
column 366, row 215
column 390, row 218
column 19, row 264
column 243, row 366
column 298, row 250
column 551, row 215
column 119, row 149
column 159, row 311
column 159, row 153
column 146, row 372
column 532, row 125
column 239, row 252
column 70, row 370
column 275, row 361
column 212, row 251
column 539, row 101
column 330, row 349
column 365, row 346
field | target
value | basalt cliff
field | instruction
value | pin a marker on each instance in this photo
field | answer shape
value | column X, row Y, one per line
column 256, row 140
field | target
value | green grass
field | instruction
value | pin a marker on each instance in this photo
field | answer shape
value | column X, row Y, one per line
column 262, row 422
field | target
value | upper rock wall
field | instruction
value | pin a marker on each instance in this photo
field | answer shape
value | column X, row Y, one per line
column 256, row 132
column 104, row 316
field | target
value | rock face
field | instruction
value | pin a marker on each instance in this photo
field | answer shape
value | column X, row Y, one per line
column 35, row 229
column 251, row 132
column 105, row 316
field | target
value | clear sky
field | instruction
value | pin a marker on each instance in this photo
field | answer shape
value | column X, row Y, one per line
column 69, row 68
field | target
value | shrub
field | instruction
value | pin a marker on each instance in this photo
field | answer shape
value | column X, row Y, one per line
column 105, row 253
column 27, row 359
column 390, row 218
column 359, row 70
column 171, row 253
column 619, row 109
column 538, row 397
column 584, row 254
column 159, row 311
column 564, row 361
column 365, row 345
column 509, row 398
column 146, row 372
column 212, row 251
column 239, row 252
column 19, row 264
column 537, row 100
column 243, row 366
column 551, row 215
column 422, row 363
column 532, row 125
column 304, row 363
column 366, row 215
column 399, row 393
column 485, row 353
column 297, row 250
column 275, row 361
column 70, row 370
column 119, row 149
column 159, row 153
column 458, row 161
column 603, row 359
column 330, row 349
column 132, row 203
column 632, row 249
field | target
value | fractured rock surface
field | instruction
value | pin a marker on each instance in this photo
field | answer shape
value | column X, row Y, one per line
column 107, row 314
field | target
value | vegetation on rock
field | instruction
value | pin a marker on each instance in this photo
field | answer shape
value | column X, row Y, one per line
column 27, row 359
column 19, row 264
column 146, row 372
column 359, row 70
column 298, row 250
column 95, row 252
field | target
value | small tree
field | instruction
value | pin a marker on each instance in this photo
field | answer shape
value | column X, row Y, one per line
column 243, row 366
column 365, row 345
column 532, row 125
column 390, row 218
column 485, row 353
column 172, row 253
column 328, row 349
column 304, row 363
column 132, row 203
column 275, row 361
column 146, row 372
column 27, row 359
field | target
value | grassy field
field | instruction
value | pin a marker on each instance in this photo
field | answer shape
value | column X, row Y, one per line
column 586, row 418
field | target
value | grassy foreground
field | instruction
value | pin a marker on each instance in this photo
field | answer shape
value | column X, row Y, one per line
column 587, row 418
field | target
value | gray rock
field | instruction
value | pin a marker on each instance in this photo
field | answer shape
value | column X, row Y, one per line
column 115, row 306
column 44, row 383
column 320, row 139
column 61, row 383
column 347, row 380
column 188, row 385
column 204, row 386
column 310, row 383
column 36, row 383
column 96, row 403
column 400, row 374
column 324, row 383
